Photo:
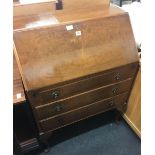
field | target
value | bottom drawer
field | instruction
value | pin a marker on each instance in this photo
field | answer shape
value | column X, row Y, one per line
column 81, row 113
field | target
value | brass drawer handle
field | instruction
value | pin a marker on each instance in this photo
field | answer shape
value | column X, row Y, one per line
column 58, row 108
column 55, row 94
column 115, row 91
column 117, row 76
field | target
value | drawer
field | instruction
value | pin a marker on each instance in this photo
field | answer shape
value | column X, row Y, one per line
column 82, row 113
column 65, row 105
column 86, row 84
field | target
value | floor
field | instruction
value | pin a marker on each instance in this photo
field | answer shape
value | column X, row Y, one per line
column 99, row 135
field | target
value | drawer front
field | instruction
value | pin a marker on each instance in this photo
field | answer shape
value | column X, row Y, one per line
column 84, row 99
column 86, row 84
column 82, row 113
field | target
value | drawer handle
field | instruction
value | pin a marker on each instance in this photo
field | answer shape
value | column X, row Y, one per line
column 115, row 91
column 60, row 121
column 55, row 94
column 58, row 108
column 118, row 76
column 110, row 103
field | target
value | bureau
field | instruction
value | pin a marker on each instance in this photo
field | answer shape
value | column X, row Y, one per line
column 80, row 64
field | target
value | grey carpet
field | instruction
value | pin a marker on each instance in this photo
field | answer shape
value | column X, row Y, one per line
column 99, row 135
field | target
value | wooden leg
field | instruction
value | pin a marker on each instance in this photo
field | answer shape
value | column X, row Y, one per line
column 44, row 139
column 121, row 109
column 47, row 149
column 118, row 117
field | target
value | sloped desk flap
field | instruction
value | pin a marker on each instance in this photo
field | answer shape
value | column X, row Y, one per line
column 69, row 50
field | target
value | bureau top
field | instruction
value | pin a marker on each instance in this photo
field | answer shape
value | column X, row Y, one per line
column 63, row 16
column 64, row 51
column 43, row 6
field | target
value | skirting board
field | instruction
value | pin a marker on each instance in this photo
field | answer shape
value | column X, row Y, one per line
column 135, row 129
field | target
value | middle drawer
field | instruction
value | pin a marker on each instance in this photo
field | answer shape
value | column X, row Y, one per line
column 74, row 102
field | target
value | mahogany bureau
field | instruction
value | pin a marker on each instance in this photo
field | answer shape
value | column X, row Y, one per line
column 79, row 65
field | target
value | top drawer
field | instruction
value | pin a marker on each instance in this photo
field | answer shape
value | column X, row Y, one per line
column 86, row 84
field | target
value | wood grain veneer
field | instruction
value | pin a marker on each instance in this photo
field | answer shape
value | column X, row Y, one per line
column 49, row 6
column 33, row 8
column 74, row 5
column 45, row 18
column 104, row 35
column 72, row 61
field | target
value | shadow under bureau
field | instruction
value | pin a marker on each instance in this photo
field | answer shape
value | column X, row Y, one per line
column 77, row 66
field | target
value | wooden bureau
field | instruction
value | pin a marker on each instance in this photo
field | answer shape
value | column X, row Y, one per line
column 82, row 63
